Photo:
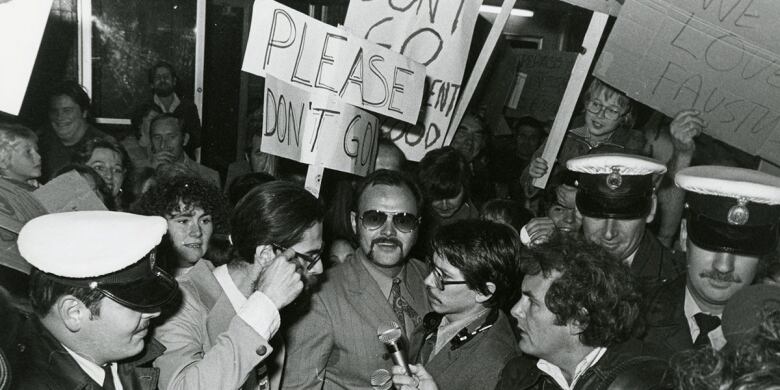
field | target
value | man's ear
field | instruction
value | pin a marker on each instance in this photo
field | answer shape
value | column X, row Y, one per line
column 186, row 139
column 683, row 234
column 653, row 207
column 482, row 297
column 264, row 255
column 577, row 327
column 72, row 312
column 353, row 221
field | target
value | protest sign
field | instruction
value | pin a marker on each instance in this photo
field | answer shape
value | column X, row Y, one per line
column 68, row 192
column 312, row 55
column 21, row 28
column 438, row 35
column 716, row 56
column 543, row 76
column 17, row 206
column 611, row 7
column 318, row 128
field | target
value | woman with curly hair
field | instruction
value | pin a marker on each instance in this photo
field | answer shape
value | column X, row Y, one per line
column 195, row 210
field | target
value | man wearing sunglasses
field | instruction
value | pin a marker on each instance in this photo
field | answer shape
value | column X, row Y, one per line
column 221, row 337
column 474, row 273
column 94, row 288
column 334, row 345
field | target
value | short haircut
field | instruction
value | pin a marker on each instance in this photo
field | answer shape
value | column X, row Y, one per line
column 388, row 178
column 506, row 211
column 45, row 290
column 597, row 86
column 10, row 135
column 181, row 193
column 157, row 65
column 245, row 183
column 485, row 252
column 164, row 117
column 277, row 212
column 141, row 113
column 73, row 90
column 444, row 173
column 593, row 290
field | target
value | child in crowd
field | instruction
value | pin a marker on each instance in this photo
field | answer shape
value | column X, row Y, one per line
column 20, row 162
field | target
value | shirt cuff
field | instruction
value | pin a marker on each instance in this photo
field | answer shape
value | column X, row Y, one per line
column 261, row 314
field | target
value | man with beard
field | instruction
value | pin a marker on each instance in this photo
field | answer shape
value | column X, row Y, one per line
column 334, row 345
column 163, row 80
column 94, row 288
column 221, row 336
column 616, row 198
column 729, row 232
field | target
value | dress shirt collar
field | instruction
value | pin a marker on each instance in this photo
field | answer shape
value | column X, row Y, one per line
column 556, row 374
column 691, row 308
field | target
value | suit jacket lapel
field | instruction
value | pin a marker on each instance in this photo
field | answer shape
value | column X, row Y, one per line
column 221, row 311
column 366, row 291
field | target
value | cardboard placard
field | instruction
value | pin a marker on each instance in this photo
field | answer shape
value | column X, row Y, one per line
column 315, row 56
column 316, row 127
column 68, row 192
column 611, row 7
column 543, row 76
column 17, row 206
column 716, row 56
column 21, row 28
column 438, row 35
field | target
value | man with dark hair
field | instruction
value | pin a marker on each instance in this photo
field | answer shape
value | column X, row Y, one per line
column 220, row 337
column 334, row 345
column 616, row 198
column 168, row 141
column 445, row 179
column 575, row 319
column 94, row 289
column 68, row 113
column 729, row 231
column 468, row 338
column 163, row 80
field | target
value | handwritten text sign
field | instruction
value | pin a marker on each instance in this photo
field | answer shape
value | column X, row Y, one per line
column 435, row 33
column 21, row 28
column 545, row 76
column 611, row 7
column 300, row 50
column 717, row 56
column 317, row 127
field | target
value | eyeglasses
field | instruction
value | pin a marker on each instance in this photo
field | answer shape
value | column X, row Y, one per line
column 438, row 278
column 375, row 219
column 310, row 261
column 610, row 113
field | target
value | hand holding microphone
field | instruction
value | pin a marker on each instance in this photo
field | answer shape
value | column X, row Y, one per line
column 418, row 379
column 390, row 335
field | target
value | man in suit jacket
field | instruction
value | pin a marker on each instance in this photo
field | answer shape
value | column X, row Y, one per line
column 730, row 228
column 468, row 339
column 334, row 345
column 220, row 335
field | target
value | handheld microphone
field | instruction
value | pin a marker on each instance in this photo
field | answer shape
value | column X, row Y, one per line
column 381, row 380
column 389, row 335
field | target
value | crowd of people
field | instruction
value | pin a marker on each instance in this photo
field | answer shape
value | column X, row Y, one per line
column 635, row 268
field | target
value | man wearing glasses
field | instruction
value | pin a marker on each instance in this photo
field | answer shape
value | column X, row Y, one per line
column 334, row 345
column 474, row 273
column 221, row 336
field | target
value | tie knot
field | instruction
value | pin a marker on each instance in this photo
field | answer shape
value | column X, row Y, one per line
column 396, row 282
column 707, row 323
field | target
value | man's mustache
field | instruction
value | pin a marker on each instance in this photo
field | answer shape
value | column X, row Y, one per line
column 721, row 276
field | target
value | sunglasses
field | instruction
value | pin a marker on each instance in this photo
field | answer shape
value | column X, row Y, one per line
column 375, row 219
column 310, row 261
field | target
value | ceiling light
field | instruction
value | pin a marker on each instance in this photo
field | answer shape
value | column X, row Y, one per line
column 492, row 9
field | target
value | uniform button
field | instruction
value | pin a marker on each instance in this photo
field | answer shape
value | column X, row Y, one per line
column 21, row 347
column 262, row 350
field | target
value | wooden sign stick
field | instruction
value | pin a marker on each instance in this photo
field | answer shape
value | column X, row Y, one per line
column 578, row 75
column 479, row 68
column 314, row 178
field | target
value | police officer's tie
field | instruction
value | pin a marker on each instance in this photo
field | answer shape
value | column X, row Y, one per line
column 401, row 308
column 108, row 383
column 707, row 323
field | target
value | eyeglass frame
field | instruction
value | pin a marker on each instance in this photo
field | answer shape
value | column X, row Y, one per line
column 603, row 108
column 309, row 260
column 391, row 214
column 438, row 279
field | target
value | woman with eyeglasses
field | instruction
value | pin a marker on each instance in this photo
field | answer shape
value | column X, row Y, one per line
column 110, row 161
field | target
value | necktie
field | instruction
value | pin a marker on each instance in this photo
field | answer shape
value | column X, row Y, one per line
column 401, row 308
column 108, row 383
column 707, row 323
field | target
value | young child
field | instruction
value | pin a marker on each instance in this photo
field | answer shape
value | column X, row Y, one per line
column 20, row 162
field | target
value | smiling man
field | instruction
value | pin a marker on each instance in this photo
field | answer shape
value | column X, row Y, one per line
column 729, row 231
column 93, row 301
column 334, row 345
